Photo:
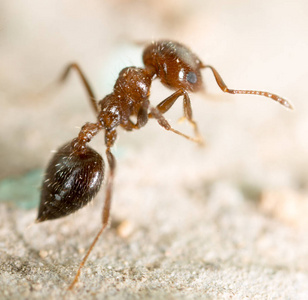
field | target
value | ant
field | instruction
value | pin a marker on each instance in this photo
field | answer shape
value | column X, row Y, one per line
column 76, row 171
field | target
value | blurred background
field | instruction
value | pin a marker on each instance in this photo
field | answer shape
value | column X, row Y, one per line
column 252, row 143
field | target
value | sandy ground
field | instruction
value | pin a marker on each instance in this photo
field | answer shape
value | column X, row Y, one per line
column 226, row 221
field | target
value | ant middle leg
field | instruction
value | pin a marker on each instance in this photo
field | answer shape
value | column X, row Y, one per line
column 155, row 113
column 85, row 82
column 166, row 104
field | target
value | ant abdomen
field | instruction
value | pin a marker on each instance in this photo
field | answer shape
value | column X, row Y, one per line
column 175, row 65
column 73, row 177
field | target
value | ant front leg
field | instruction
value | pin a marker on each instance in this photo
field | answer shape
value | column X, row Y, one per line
column 166, row 104
column 155, row 113
column 85, row 82
column 110, row 137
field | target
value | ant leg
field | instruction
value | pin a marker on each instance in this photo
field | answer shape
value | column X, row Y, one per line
column 142, row 118
column 85, row 82
column 110, row 137
column 155, row 113
column 225, row 89
column 166, row 104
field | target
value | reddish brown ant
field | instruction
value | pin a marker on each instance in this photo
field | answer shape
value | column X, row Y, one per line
column 75, row 173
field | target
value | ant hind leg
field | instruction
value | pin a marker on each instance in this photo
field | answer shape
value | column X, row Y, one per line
column 107, row 205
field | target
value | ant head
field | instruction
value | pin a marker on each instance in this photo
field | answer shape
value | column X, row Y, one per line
column 175, row 65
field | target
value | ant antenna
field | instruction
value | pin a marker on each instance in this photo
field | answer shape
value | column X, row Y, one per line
column 225, row 89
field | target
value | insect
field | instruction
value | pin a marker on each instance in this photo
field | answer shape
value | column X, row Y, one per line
column 75, row 173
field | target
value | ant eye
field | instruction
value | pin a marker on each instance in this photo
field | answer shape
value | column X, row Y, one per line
column 191, row 77
column 72, row 180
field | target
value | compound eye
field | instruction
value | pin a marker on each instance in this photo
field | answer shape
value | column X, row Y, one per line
column 191, row 77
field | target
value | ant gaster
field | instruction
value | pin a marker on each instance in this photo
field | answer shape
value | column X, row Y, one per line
column 75, row 173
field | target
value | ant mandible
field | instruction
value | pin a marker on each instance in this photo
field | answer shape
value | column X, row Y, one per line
column 76, row 171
